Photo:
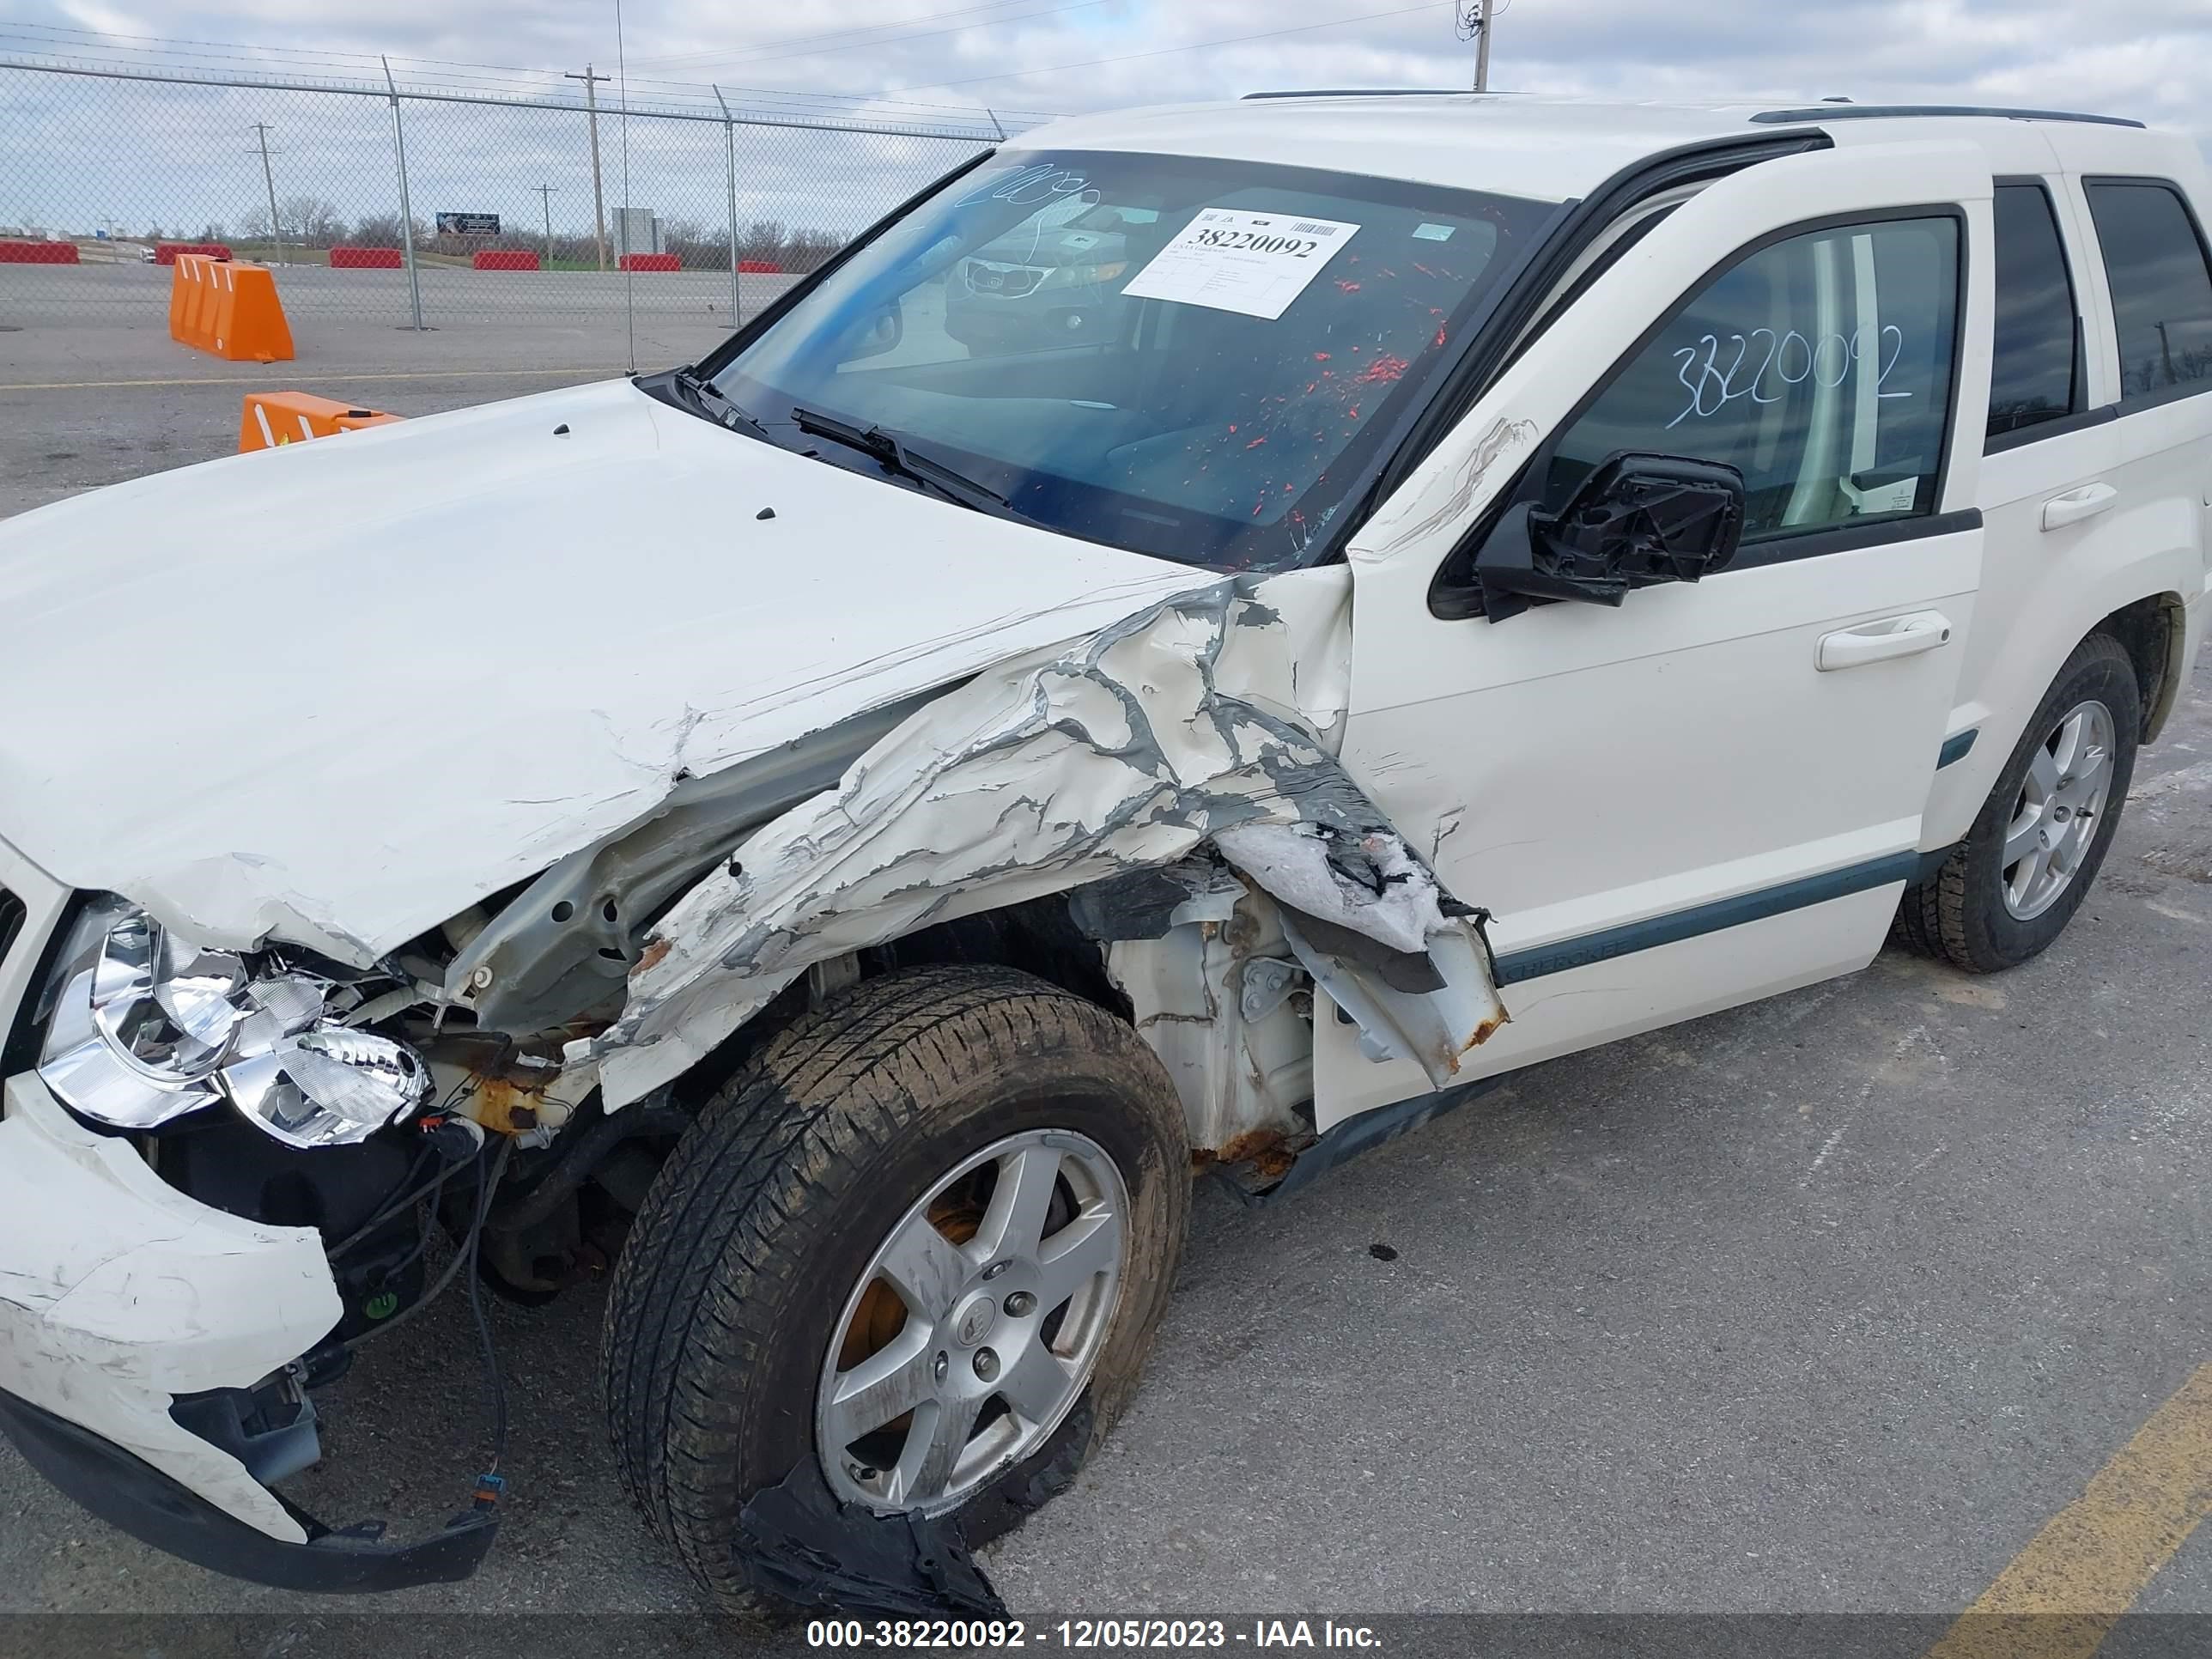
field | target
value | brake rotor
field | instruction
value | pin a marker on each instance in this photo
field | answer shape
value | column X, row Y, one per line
column 882, row 1316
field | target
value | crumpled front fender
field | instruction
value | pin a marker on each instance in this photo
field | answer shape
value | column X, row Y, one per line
column 1192, row 721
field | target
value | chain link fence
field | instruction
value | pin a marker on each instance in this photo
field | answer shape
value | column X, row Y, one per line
column 419, row 206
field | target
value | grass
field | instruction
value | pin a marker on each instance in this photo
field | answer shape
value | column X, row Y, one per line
column 269, row 254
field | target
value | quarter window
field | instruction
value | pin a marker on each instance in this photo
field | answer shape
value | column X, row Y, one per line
column 2162, row 287
column 1820, row 368
column 2032, row 373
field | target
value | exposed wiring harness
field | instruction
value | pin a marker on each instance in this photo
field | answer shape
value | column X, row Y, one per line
column 493, row 1381
column 490, row 1165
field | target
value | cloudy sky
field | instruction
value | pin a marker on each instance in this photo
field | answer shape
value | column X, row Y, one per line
column 932, row 59
column 2146, row 57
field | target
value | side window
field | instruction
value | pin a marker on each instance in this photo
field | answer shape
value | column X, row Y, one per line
column 2032, row 370
column 2162, row 287
column 1820, row 368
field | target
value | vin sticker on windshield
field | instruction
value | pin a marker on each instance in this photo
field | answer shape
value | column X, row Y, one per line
column 1232, row 260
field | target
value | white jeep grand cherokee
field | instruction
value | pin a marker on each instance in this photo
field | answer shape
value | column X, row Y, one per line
column 852, row 824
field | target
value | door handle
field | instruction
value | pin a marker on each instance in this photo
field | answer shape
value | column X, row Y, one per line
column 1877, row 641
column 2075, row 505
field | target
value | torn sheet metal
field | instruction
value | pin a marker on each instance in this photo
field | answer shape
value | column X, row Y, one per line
column 1122, row 751
column 1432, row 1029
column 1221, row 1002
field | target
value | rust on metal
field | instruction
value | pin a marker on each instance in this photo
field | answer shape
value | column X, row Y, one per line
column 505, row 1106
column 1267, row 1150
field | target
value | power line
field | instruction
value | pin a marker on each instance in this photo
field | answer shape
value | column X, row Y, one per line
column 539, row 80
column 1170, row 51
column 769, row 49
column 329, row 54
column 279, row 73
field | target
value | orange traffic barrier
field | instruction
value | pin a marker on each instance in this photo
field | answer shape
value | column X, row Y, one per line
column 273, row 419
column 181, row 290
column 229, row 309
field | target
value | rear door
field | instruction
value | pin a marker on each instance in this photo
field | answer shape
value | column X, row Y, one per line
column 2097, row 465
column 1714, row 791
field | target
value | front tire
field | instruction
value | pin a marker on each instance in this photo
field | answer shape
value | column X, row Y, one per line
column 953, row 1198
column 2012, row 885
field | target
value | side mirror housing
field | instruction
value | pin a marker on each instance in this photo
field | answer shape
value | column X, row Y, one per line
column 1636, row 519
column 881, row 331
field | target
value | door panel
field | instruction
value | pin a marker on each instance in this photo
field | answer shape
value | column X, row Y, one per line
column 1670, row 806
column 2048, row 578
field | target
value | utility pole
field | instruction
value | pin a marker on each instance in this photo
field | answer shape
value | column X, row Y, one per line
column 1482, row 48
column 406, row 207
column 546, row 194
column 275, row 230
column 598, row 197
column 730, row 156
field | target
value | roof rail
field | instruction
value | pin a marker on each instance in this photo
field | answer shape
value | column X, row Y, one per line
column 1366, row 91
column 1880, row 112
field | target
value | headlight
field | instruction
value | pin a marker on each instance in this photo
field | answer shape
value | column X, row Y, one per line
column 1084, row 275
column 147, row 1027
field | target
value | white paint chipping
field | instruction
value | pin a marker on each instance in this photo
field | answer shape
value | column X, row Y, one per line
column 1123, row 750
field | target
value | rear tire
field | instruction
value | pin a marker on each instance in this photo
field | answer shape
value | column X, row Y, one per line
column 746, row 1263
column 1983, row 911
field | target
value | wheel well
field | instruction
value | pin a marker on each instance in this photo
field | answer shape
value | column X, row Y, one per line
column 1038, row 936
column 2151, row 631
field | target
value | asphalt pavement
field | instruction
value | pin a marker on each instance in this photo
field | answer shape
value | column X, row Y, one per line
column 1826, row 1305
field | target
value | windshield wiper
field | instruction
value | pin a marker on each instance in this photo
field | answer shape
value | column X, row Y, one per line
column 718, row 404
column 900, row 459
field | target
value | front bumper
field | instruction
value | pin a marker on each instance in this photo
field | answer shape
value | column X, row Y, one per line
column 118, row 1295
column 132, row 1494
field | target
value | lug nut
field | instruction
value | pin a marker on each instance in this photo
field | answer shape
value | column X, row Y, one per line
column 996, row 1268
column 944, row 1364
column 987, row 1364
column 1020, row 1305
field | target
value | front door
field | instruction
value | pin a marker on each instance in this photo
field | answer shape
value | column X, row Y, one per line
column 1713, row 791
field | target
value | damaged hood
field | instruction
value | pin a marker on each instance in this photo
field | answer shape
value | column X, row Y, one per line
column 337, row 692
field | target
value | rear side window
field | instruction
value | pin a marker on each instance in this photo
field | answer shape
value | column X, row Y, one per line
column 2162, row 288
column 2032, row 372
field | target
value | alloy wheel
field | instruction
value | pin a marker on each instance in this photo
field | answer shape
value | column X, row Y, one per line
column 2061, row 805
column 975, row 1326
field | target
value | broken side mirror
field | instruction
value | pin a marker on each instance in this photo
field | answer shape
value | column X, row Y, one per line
column 880, row 333
column 1635, row 520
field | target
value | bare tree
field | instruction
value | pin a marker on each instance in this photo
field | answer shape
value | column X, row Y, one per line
column 312, row 221
column 762, row 240
column 377, row 230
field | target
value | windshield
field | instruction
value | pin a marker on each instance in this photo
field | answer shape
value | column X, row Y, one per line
column 1194, row 359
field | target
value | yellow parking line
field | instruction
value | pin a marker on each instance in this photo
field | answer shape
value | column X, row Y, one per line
column 2061, row 1595
column 343, row 374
